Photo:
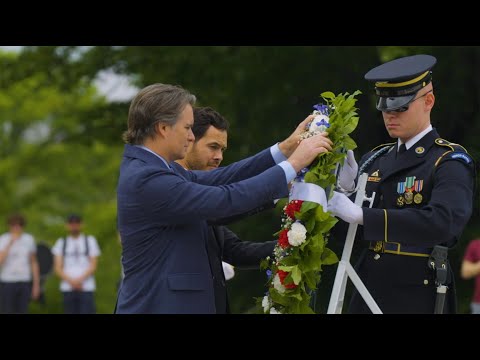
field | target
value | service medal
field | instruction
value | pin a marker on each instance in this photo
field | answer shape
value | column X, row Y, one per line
column 409, row 182
column 400, row 191
column 418, row 186
column 408, row 197
column 418, row 198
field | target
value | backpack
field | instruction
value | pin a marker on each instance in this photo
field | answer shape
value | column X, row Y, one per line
column 45, row 259
column 64, row 250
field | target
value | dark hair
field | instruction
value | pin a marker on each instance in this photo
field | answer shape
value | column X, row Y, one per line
column 155, row 103
column 204, row 117
column 74, row 218
column 16, row 219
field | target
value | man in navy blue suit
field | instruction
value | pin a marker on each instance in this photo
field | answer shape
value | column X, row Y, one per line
column 163, row 209
column 223, row 245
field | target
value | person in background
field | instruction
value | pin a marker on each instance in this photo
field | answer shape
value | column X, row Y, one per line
column 19, row 270
column 206, row 153
column 423, row 187
column 471, row 269
column 75, row 262
column 45, row 264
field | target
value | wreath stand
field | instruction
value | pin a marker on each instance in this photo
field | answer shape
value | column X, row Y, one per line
column 345, row 269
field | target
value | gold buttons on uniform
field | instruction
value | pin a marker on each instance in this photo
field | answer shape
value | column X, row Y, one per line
column 425, row 282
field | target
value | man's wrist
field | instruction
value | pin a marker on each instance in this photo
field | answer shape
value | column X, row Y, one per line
column 347, row 192
column 290, row 172
column 277, row 154
column 359, row 216
column 287, row 147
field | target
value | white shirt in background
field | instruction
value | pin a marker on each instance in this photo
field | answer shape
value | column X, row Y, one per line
column 76, row 262
column 16, row 266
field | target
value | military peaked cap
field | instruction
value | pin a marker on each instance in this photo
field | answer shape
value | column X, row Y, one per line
column 398, row 81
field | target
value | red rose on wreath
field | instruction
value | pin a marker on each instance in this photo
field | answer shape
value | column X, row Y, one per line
column 282, row 275
column 293, row 206
column 283, row 239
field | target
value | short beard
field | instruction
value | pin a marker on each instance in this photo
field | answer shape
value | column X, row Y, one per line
column 75, row 233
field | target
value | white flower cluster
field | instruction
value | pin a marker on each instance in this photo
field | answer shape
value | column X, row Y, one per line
column 277, row 284
column 267, row 306
column 279, row 253
column 297, row 234
column 266, row 303
column 318, row 125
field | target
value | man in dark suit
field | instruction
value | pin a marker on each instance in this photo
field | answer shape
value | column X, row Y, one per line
column 206, row 153
column 163, row 209
column 423, row 188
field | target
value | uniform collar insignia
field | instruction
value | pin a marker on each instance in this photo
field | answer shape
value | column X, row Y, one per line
column 419, row 150
column 375, row 176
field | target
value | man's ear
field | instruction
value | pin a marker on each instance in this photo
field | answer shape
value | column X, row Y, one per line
column 162, row 129
column 430, row 101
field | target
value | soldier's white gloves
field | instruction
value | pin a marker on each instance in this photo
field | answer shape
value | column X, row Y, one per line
column 341, row 206
column 348, row 172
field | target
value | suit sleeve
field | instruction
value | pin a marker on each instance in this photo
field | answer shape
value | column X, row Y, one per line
column 170, row 199
column 245, row 254
column 438, row 222
column 235, row 172
column 231, row 219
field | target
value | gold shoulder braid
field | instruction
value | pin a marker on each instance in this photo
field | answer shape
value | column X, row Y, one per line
column 384, row 148
column 452, row 147
column 382, row 145
column 459, row 153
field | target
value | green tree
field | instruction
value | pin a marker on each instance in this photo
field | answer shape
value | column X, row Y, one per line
column 264, row 91
column 52, row 164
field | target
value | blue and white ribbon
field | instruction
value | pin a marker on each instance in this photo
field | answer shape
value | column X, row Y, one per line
column 308, row 192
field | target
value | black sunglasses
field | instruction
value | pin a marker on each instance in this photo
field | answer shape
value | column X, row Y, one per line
column 405, row 107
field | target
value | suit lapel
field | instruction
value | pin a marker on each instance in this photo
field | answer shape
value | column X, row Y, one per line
column 387, row 163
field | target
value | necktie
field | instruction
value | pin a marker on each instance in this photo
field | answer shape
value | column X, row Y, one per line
column 401, row 150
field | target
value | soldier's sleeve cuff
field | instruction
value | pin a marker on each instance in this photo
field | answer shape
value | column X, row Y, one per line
column 375, row 224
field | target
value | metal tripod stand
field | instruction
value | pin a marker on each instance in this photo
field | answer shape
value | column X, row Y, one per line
column 345, row 269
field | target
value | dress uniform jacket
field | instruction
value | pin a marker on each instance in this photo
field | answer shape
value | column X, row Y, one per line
column 423, row 198
column 162, row 220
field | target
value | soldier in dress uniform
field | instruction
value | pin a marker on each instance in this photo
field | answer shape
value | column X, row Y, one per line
column 424, row 188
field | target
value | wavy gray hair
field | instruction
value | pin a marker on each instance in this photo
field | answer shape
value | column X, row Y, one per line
column 155, row 103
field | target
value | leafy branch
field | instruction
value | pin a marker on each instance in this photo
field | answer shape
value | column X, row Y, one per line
column 294, row 272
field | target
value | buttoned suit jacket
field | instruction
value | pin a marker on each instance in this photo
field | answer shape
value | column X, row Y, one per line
column 224, row 244
column 162, row 220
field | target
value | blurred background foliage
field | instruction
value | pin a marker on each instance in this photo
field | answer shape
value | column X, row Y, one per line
column 60, row 137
